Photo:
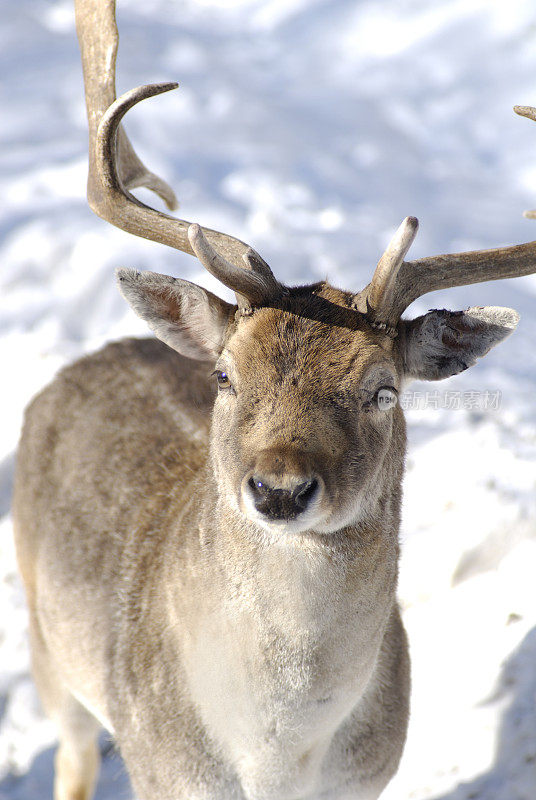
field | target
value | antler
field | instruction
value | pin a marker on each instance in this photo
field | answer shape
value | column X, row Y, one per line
column 397, row 283
column 378, row 297
column 114, row 168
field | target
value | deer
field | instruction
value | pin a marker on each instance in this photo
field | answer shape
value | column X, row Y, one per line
column 207, row 521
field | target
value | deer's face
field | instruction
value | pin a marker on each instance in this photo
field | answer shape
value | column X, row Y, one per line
column 305, row 415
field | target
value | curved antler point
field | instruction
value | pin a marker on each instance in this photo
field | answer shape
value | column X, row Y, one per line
column 526, row 111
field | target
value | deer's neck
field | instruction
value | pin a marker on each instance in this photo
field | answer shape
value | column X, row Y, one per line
column 299, row 583
column 297, row 587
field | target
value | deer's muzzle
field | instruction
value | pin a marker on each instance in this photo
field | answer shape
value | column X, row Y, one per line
column 282, row 486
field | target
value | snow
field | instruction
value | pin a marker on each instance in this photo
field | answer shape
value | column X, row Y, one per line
column 309, row 129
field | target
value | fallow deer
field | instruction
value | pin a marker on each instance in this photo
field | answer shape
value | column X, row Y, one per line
column 211, row 562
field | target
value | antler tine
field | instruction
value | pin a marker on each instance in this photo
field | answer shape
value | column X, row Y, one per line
column 526, row 111
column 114, row 166
column 378, row 295
column 252, row 286
column 107, row 193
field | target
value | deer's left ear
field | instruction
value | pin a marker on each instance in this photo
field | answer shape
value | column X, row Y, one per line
column 442, row 343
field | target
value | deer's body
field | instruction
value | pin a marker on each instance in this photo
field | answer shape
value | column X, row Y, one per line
column 228, row 663
column 211, row 573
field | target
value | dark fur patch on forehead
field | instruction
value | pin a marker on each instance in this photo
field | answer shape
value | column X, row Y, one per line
column 320, row 302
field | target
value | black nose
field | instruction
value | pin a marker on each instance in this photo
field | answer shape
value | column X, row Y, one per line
column 281, row 504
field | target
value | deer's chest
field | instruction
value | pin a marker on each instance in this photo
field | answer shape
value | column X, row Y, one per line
column 273, row 697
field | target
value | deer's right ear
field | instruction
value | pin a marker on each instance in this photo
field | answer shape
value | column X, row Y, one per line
column 188, row 318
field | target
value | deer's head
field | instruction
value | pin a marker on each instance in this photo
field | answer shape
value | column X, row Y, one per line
column 307, row 432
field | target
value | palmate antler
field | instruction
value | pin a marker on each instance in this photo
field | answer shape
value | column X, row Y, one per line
column 114, row 168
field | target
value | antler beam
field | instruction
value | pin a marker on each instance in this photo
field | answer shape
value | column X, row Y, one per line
column 424, row 275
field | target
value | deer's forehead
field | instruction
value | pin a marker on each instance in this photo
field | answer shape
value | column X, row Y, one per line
column 275, row 343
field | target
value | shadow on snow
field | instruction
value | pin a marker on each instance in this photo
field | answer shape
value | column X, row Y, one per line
column 36, row 784
column 512, row 776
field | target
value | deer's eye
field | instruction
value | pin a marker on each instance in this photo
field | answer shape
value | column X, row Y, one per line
column 223, row 379
column 386, row 398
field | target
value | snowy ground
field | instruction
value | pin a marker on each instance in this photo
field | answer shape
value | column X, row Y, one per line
column 309, row 129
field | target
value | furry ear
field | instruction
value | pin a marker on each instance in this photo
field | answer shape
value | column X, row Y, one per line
column 183, row 315
column 443, row 343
